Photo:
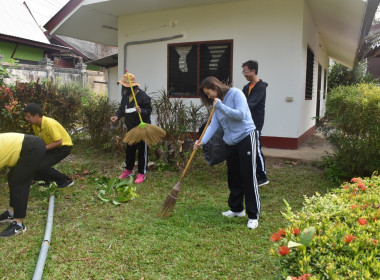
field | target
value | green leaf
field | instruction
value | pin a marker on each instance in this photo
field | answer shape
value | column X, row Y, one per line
column 306, row 236
column 115, row 202
column 292, row 244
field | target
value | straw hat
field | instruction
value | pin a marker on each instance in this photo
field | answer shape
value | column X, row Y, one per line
column 124, row 80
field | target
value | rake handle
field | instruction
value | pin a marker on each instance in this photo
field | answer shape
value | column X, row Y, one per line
column 194, row 151
column 133, row 94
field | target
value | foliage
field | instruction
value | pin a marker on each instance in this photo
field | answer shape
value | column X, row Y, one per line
column 4, row 74
column 53, row 98
column 343, row 234
column 97, row 111
column 340, row 75
column 352, row 127
column 180, row 121
column 93, row 240
column 115, row 190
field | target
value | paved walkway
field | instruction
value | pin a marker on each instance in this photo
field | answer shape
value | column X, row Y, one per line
column 312, row 150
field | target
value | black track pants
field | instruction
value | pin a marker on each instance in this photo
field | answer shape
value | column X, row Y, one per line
column 46, row 172
column 241, row 170
column 260, row 159
column 21, row 175
column 130, row 156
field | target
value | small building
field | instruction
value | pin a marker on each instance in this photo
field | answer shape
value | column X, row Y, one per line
column 173, row 44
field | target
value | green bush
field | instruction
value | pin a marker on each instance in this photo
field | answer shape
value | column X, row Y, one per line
column 340, row 75
column 59, row 102
column 333, row 237
column 352, row 127
column 96, row 113
column 180, row 121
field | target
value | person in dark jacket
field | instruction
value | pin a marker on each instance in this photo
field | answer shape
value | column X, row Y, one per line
column 130, row 111
column 255, row 92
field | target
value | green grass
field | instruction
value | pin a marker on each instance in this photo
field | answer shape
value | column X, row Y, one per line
column 91, row 240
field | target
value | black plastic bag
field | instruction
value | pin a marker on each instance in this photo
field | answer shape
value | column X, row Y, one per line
column 214, row 150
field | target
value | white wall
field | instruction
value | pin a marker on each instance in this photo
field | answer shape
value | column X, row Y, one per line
column 114, row 92
column 311, row 38
column 269, row 31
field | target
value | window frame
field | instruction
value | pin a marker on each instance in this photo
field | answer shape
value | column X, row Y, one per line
column 309, row 81
column 198, row 44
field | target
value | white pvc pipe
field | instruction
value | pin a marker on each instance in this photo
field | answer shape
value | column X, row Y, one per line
column 46, row 243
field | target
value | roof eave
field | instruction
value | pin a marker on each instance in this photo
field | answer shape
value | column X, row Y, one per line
column 59, row 17
column 44, row 46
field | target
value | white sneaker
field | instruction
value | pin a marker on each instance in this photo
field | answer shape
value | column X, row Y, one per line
column 230, row 213
column 252, row 224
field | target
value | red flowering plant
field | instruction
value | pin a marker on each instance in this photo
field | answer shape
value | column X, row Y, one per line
column 334, row 236
column 61, row 102
column 11, row 120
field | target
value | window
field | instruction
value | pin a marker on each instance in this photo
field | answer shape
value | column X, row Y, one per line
column 325, row 84
column 190, row 63
column 309, row 74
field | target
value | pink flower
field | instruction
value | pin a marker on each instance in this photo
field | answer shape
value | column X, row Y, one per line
column 275, row 237
column 361, row 186
column 362, row 221
column 302, row 277
column 283, row 250
column 355, row 180
column 282, row 232
column 296, row 231
column 346, row 187
column 349, row 238
column 375, row 241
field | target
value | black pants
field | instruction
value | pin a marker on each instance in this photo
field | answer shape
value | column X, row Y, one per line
column 130, row 156
column 260, row 159
column 21, row 175
column 242, row 182
column 46, row 172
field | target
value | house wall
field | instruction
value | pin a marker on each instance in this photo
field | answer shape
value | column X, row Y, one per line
column 311, row 39
column 114, row 92
column 22, row 52
column 274, row 32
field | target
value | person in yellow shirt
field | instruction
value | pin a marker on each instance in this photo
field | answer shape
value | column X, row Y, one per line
column 58, row 145
column 23, row 154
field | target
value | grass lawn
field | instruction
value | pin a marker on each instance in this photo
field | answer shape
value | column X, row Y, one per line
column 92, row 240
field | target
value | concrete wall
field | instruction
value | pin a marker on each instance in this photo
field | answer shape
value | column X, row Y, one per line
column 274, row 32
column 96, row 80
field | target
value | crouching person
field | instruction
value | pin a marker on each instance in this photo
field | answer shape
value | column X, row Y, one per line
column 58, row 145
column 23, row 154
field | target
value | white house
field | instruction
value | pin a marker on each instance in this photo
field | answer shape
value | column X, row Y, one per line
column 174, row 44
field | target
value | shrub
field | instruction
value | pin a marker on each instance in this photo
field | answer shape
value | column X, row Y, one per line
column 340, row 75
column 97, row 111
column 180, row 121
column 352, row 127
column 59, row 102
column 11, row 112
column 335, row 236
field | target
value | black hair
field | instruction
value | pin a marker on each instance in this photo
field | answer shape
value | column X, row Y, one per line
column 252, row 65
column 212, row 83
column 33, row 109
column 127, row 90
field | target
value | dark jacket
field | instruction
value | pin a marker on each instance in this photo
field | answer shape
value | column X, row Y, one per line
column 256, row 102
column 132, row 119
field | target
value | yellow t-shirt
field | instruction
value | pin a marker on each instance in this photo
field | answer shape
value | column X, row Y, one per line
column 51, row 131
column 10, row 148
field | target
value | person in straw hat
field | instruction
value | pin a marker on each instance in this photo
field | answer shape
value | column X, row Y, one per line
column 129, row 111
